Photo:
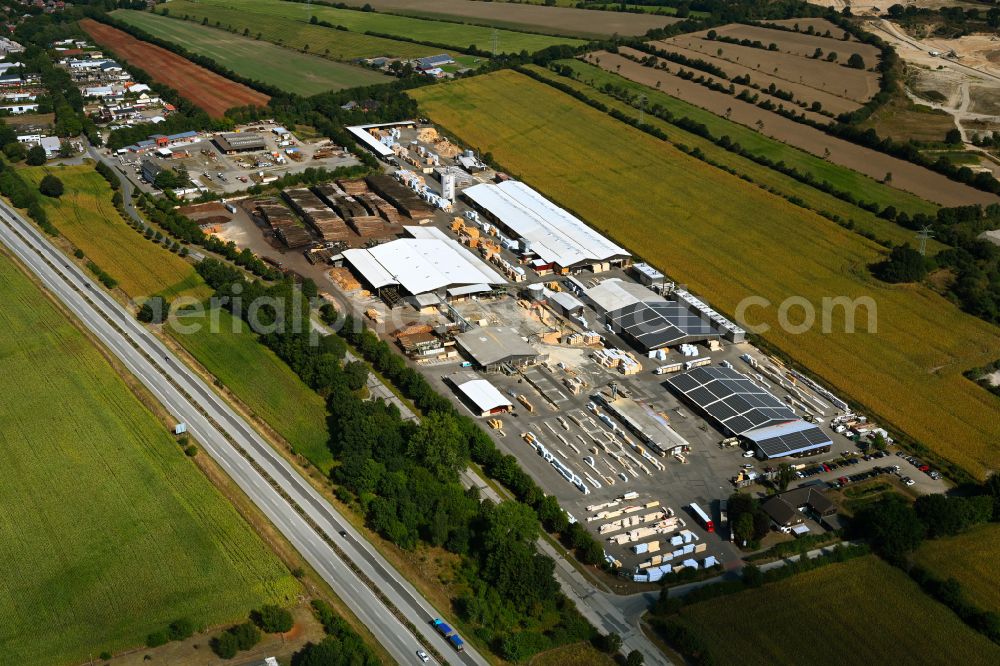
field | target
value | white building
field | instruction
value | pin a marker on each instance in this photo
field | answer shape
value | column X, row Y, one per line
column 559, row 239
column 19, row 108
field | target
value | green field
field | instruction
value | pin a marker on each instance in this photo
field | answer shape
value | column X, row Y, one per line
column 286, row 69
column 109, row 531
column 259, row 14
column 85, row 215
column 842, row 178
column 971, row 559
column 813, row 198
column 860, row 612
column 729, row 240
column 263, row 382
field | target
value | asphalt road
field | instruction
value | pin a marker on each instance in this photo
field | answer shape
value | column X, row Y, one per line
column 307, row 520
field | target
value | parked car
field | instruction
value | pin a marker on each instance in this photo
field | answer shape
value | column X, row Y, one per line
column 908, row 481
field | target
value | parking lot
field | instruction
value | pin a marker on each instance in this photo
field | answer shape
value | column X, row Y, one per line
column 210, row 168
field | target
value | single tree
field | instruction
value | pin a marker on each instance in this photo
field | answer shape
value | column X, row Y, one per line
column 36, row 156
column 51, row 186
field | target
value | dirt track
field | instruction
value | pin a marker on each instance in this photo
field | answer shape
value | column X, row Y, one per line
column 905, row 175
column 205, row 89
column 564, row 20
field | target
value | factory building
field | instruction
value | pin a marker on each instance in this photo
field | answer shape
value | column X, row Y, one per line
column 239, row 142
column 738, row 407
column 427, row 265
column 645, row 319
column 559, row 241
column 492, row 348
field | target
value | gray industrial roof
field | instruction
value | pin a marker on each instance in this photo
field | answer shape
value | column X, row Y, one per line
column 730, row 399
column 787, row 439
column 240, row 141
column 488, row 346
column 659, row 324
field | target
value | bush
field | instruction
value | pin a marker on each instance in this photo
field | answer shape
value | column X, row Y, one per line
column 191, row 451
column 51, row 186
column 241, row 637
column 156, row 639
column 35, row 156
column 154, row 310
column 272, row 619
column 180, row 629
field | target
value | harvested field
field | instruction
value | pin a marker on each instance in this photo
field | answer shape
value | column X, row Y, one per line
column 803, row 92
column 655, row 199
column 288, row 70
column 259, row 13
column 207, row 90
column 887, row 617
column 85, row 215
column 860, row 219
column 842, row 178
column 902, row 120
column 905, row 175
column 31, row 120
column 799, row 43
column 971, row 559
column 854, row 84
column 295, row 34
column 109, row 531
column 554, row 20
column 819, row 26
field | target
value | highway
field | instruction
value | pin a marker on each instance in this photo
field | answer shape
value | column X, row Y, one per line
column 309, row 522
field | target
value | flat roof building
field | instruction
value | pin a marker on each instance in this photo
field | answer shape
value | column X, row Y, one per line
column 237, row 142
column 490, row 348
column 547, row 231
column 737, row 406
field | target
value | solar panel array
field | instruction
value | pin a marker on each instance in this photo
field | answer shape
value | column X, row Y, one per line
column 785, row 444
column 657, row 324
column 730, row 399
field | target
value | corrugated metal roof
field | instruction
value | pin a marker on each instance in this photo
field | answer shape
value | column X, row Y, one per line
column 554, row 234
column 421, row 265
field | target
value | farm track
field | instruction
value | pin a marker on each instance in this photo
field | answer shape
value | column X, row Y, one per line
column 203, row 88
column 905, row 175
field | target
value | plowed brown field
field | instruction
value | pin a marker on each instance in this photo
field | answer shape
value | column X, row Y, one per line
column 802, row 91
column 856, row 84
column 799, row 43
column 562, row 20
column 205, row 89
column 906, row 176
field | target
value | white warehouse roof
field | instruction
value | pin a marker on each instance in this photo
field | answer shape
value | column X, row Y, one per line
column 553, row 233
column 421, row 265
column 362, row 133
column 483, row 395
